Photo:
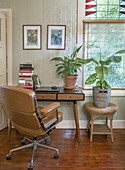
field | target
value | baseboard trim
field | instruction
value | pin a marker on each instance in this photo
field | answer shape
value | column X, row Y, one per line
column 70, row 124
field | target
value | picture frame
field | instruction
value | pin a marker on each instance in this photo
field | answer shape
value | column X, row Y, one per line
column 56, row 37
column 32, row 35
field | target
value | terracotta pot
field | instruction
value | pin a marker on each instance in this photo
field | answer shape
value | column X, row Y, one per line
column 70, row 82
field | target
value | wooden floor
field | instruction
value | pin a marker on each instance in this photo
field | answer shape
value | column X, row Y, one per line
column 101, row 154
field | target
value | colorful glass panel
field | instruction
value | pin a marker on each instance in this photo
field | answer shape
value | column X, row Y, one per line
column 105, row 9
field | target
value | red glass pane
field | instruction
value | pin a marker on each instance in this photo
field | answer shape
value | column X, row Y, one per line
column 123, row 6
column 88, row 1
column 122, row 12
column 90, row 12
column 90, row 6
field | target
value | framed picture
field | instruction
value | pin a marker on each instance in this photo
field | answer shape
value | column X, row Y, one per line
column 56, row 37
column 32, row 37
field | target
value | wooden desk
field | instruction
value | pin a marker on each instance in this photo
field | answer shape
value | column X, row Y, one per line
column 64, row 96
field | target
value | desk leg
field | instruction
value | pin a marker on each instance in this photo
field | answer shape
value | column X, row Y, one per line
column 9, row 130
column 76, row 120
column 111, row 130
column 91, row 131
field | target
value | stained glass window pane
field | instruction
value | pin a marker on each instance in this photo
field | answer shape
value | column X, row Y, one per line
column 105, row 9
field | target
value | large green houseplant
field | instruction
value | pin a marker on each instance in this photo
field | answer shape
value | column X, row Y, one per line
column 102, row 68
column 68, row 66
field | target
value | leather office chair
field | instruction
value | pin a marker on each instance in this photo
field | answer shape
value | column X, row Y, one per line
column 21, row 108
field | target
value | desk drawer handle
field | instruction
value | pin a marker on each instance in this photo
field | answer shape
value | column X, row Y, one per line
column 43, row 97
column 70, row 97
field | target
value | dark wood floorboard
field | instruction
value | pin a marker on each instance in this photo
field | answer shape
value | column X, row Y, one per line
column 101, row 154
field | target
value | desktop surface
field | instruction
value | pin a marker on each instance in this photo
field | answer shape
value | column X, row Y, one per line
column 54, row 89
column 43, row 89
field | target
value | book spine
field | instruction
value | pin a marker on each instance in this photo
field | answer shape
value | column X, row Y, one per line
column 26, row 87
column 26, row 65
column 25, row 77
column 25, row 74
column 21, row 82
column 26, row 68
column 26, row 71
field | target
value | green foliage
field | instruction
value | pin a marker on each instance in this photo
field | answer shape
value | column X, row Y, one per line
column 68, row 65
column 102, row 69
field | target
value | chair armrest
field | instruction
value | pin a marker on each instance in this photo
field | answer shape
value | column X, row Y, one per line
column 50, row 108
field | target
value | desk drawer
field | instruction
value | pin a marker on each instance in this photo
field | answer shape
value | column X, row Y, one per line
column 70, row 97
column 46, row 96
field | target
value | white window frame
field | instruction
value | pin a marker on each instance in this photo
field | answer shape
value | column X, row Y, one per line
column 81, row 17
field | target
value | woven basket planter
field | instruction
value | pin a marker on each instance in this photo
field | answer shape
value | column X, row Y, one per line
column 101, row 97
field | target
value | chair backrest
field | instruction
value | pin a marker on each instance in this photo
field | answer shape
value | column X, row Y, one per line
column 19, row 105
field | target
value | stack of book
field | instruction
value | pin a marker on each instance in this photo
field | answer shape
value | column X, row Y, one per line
column 25, row 75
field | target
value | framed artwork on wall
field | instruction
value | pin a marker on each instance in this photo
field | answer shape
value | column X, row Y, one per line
column 56, row 37
column 32, row 35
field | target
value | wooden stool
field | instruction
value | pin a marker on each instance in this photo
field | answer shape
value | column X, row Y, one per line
column 95, row 112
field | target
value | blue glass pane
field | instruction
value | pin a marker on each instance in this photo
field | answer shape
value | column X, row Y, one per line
column 114, row 8
column 114, row 2
column 102, row 1
column 102, row 8
column 102, row 14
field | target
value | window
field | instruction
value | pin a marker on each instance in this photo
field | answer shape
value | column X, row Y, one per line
column 104, row 33
column 104, row 39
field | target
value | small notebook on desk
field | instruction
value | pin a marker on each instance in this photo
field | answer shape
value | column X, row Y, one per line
column 46, row 89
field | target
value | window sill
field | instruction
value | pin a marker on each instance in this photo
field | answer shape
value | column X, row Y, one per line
column 119, row 93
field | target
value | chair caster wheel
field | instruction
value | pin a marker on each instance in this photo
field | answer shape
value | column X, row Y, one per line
column 47, row 141
column 30, row 167
column 8, row 157
column 55, row 156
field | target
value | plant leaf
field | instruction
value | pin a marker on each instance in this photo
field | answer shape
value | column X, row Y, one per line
column 59, row 69
column 99, row 72
column 57, row 59
column 105, row 84
column 106, row 70
column 106, row 62
column 98, row 83
column 120, row 52
column 74, row 54
column 116, row 59
column 91, row 79
column 86, row 61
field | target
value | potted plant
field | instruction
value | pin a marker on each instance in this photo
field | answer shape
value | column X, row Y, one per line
column 67, row 67
column 102, row 90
